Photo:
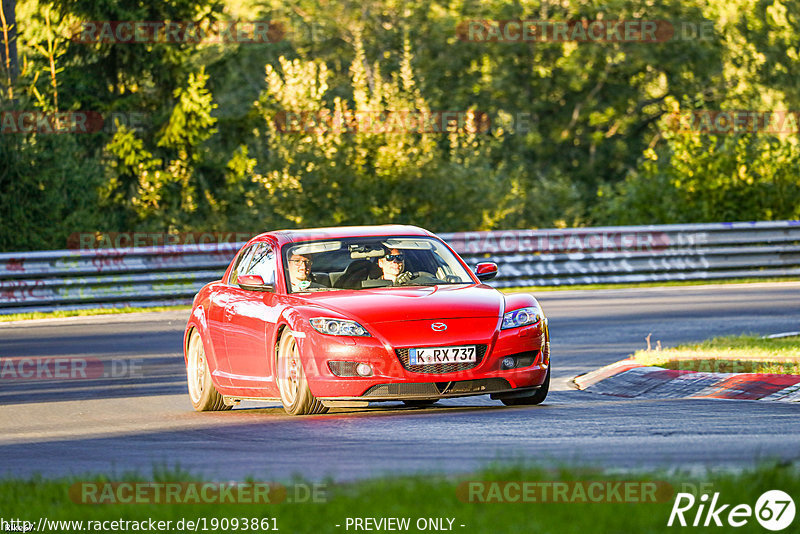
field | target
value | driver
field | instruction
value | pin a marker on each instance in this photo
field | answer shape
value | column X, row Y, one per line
column 393, row 266
column 300, row 273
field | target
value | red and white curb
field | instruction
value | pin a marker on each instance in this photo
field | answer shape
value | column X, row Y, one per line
column 628, row 378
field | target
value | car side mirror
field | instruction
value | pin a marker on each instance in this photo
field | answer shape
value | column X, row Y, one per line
column 486, row 271
column 253, row 282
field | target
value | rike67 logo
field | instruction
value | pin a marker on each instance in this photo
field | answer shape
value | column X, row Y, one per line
column 774, row 510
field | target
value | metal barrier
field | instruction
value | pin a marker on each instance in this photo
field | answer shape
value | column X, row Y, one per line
column 150, row 276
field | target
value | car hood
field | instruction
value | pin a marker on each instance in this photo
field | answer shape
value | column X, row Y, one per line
column 391, row 304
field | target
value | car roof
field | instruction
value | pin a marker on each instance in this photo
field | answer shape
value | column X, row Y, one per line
column 340, row 232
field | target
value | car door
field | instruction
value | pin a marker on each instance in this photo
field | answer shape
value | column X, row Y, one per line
column 217, row 321
column 218, row 299
column 250, row 320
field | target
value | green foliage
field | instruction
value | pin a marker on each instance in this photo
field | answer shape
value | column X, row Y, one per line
column 482, row 501
column 577, row 133
column 128, row 76
column 164, row 184
column 319, row 174
column 771, row 28
column 43, row 184
column 54, row 185
column 694, row 176
column 707, row 178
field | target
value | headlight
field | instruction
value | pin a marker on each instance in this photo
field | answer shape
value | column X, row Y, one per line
column 522, row 317
column 338, row 327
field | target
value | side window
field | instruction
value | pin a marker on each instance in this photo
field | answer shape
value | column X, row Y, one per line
column 258, row 259
column 262, row 263
column 241, row 265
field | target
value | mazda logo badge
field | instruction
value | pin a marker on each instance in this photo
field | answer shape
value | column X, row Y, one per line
column 439, row 327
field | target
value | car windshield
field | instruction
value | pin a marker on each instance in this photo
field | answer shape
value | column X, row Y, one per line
column 373, row 262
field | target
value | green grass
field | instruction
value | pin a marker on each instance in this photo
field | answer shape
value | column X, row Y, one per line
column 86, row 312
column 676, row 283
column 430, row 497
column 729, row 354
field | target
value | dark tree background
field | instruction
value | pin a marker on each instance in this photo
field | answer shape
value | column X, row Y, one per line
column 580, row 131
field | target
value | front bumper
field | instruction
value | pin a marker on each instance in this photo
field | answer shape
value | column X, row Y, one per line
column 433, row 390
column 392, row 380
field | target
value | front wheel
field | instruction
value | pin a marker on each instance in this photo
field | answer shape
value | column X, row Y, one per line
column 296, row 396
column 536, row 398
column 202, row 393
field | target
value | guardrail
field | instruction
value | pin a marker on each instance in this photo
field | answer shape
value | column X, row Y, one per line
column 150, row 276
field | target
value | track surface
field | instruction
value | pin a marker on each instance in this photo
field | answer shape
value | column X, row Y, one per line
column 144, row 421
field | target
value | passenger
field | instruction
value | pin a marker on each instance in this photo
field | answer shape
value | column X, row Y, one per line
column 300, row 273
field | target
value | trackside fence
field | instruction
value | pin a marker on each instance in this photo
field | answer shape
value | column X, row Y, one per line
column 158, row 276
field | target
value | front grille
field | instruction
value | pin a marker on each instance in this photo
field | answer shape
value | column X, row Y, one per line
column 403, row 390
column 438, row 389
column 343, row 368
column 440, row 368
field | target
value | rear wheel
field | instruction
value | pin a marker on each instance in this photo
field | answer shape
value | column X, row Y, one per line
column 203, row 394
column 537, row 398
column 296, row 396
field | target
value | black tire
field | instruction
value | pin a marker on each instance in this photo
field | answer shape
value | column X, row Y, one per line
column 202, row 393
column 420, row 403
column 536, row 398
column 296, row 396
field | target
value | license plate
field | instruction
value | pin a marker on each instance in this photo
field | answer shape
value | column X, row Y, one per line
column 434, row 355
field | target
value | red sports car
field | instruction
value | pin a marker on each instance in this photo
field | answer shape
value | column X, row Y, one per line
column 346, row 316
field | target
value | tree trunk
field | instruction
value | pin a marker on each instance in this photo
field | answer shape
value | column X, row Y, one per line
column 8, row 42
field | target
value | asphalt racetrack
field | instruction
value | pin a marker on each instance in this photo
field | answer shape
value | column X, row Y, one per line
column 141, row 419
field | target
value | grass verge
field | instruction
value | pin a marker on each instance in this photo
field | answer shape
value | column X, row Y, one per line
column 86, row 312
column 564, row 501
column 729, row 354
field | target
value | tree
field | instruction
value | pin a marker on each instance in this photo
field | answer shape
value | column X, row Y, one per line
column 697, row 177
column 162, row 186
column 8, row 51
